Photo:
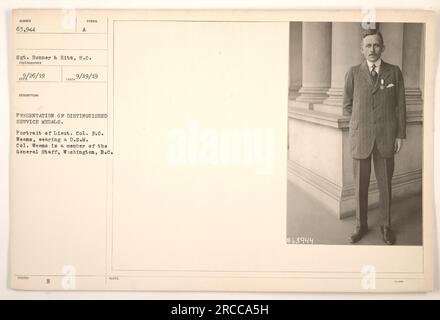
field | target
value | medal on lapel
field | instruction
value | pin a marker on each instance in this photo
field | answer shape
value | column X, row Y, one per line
column 382, row 86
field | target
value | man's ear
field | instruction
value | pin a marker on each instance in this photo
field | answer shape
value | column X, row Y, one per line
column 383, row 48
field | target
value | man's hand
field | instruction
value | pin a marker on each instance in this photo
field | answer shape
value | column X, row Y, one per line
column 397, row 145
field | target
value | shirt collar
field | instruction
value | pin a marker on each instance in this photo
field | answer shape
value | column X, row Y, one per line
column 377, row 63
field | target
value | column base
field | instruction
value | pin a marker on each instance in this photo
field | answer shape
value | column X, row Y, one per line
column 413, row 97
column 335, row 97
column 294, row 93
column 333, row 104
column 312, row 95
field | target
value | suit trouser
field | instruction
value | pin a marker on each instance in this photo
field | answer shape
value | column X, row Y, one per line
column 384, row 169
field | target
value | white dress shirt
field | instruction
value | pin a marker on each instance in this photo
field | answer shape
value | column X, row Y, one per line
column 376, row 63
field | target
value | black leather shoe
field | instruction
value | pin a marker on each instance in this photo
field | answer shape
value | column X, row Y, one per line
column 388, row 235
column 357, row 234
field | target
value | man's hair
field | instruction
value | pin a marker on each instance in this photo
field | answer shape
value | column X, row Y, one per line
column 370, row 32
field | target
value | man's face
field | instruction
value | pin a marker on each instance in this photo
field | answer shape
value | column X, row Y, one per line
column 372, row 48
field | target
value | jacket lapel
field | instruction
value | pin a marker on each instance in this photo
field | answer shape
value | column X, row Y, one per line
column 366, row 72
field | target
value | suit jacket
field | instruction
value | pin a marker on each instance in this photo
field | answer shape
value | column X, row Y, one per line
column 378, row 110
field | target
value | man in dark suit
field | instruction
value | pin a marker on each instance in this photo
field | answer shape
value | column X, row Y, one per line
column 374, row 97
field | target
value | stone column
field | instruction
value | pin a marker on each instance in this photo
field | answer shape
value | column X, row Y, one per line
column 422, row 60
column 412, row 34
column 316, row 62
column 393, row 38
column 295, row 59
column 346, row 42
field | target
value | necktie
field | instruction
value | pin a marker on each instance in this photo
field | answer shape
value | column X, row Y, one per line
column 373, row 72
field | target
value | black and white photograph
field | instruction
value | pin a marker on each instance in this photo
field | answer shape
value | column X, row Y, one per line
column 220, row 151
column 355, row 133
